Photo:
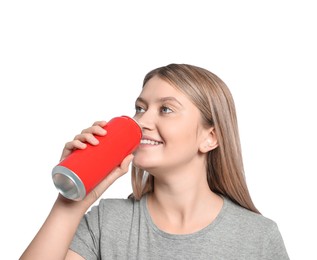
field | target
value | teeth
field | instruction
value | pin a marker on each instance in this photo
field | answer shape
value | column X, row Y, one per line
column 145, row 141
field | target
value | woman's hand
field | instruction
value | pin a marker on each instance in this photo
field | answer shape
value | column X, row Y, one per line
column 111, row 178
column 54, row 237
column 86, row 136
column 80, row 142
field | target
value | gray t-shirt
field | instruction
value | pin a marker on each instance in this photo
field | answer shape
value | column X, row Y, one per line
column 123, row 229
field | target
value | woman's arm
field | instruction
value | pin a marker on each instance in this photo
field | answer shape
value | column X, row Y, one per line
column 54, row 237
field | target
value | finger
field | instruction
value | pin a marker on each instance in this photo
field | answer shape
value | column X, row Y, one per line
column 110, row 179
column 96, row 130
column 75, row 144
column 71, row 146
column 120, row 170
column 100, row 123
column 88, row 138
column 126, row 162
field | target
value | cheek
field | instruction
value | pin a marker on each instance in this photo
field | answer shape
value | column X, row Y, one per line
column 182, row 134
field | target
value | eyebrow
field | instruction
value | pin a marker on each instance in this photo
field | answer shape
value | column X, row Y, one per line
column 160, row 100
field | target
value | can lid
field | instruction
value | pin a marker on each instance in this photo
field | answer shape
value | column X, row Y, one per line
column 131, row 118
column 68, row 183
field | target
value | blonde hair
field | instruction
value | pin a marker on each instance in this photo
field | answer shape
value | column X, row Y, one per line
column 225, row 171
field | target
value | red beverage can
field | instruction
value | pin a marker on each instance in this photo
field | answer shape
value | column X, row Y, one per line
column 81, row 171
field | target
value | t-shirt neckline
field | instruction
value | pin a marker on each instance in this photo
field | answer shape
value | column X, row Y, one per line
column 195, row 234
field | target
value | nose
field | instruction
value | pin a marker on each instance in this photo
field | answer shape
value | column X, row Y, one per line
column 146, row 120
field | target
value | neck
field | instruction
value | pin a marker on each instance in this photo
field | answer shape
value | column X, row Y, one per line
column 183, row 203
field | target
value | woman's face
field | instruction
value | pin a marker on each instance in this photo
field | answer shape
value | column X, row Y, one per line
column 172, row 128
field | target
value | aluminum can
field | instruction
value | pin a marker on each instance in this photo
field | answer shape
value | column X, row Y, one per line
column 81, row 171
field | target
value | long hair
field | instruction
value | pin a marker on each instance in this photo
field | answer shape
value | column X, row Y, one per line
column 225, row 171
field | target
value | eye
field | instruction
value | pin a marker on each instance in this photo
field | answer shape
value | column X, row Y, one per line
column 139, row 109
column 166, row 110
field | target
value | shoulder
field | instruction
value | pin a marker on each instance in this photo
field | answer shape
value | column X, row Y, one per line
column 110, row 208
column 249, row 233
column 116, row 205
column 249, row 226
column 245, row 217
column 118, row 210
column 116, row 216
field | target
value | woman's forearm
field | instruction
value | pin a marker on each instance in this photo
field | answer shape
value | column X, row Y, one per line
column 54, row 237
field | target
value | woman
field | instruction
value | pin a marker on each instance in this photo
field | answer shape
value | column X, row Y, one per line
column 190, row 199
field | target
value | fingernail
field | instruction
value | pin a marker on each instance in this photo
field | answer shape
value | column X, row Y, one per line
column 95, row 141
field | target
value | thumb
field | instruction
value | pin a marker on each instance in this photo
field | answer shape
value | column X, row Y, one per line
column 110, row 179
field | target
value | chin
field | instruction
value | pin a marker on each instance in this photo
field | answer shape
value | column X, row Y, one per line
column 143, row 163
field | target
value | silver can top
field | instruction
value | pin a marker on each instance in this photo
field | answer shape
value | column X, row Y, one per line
column 68, row 183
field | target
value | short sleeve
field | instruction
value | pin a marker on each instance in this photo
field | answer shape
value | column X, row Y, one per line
column 275, row 247
column 86, row 238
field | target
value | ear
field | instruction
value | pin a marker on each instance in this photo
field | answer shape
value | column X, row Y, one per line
column 209, row 142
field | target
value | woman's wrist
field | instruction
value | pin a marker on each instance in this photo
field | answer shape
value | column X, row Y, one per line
column 73, row 208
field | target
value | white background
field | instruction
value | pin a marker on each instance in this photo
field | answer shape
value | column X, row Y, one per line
column 65, row 64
